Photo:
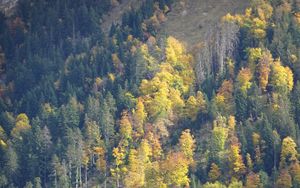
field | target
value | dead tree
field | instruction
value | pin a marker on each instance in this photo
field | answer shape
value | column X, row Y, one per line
column 220, row 44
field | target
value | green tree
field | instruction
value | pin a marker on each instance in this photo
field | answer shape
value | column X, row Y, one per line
column 37, row 182
column 296, row 102
column 140, row 117
column 219, row 137
column 107, row 122
column 11, row 162
column 59, row 173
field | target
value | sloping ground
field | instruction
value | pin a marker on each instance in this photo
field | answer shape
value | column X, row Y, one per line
column 189, row 20
column 115, row 15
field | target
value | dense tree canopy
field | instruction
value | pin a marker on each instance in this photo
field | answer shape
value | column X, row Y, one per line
column 85, row 107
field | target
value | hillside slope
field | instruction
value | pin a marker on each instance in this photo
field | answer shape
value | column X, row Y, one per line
column 187, row 21
column 190, row 20
column 115, row 15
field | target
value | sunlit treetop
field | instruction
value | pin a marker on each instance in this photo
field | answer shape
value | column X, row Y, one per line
column 288, row 152
column 255, row 19
column 244, row 79
column 282, row 78
column 21, row 125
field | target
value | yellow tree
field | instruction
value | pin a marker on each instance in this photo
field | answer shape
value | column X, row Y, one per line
column 161, row 105
column 263, row 9
column 119, row 168
column 289, row 78
column 214, row 185
column 177, row 101
column 194, row 105
column 187, row 144
column 154, row 176
column 281, row 77
column 252, row 180
column 125, row 126
column 21, row 125
column 140, row 116
column 284, row 179
column 145, row 151
column 230, row 67
column 288, row 152
column 236, row 161
column 174, row 50
column 162, row 95
column 254, row 54
column 258, row 29
column 249, row 162
column 155, row 144
column 214, row 172
column 156, row 97
column 139, row 162
column 263, row 69
column 256, row 143
column 224, row 98
column 256, row 24
column 235, row 184
column 244, row 77
column 181, row 62
column 135, row 177
column 100, row 162
column 219, row 137
column 2, row 137
column 295, row 172
column 117, row 63
column 219, row 134
column 175, row 169
column 231, row 123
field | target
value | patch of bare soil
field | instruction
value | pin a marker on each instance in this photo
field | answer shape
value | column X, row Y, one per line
column 190, row 20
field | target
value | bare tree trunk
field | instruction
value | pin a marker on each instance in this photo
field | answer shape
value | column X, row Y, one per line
column 73, row 35
column 220, row 44
column 77, row 176
column 118, row 182
column 55, row 179
column 80, row 179
column 86, row 177
column 105, row 173
column 70, row 174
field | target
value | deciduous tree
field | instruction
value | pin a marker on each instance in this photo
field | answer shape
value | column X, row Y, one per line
column 187, row 144
column 288, row 152
column 214, row 172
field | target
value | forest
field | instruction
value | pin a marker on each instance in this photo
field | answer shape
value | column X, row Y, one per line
column 81, row 107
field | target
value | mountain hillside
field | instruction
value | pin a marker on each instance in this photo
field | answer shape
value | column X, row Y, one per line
column 150, row 94
column 114, row 16
column 191, row 20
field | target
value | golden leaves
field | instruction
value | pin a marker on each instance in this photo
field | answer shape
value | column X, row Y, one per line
column 244, row 77
column 281, row 77
column 21, row 125
column 187, row 144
